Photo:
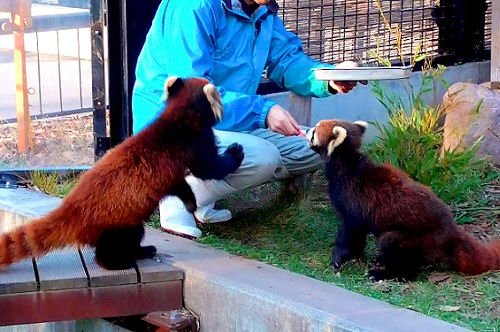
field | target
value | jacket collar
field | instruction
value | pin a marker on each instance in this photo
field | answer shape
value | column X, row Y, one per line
column 234, row 6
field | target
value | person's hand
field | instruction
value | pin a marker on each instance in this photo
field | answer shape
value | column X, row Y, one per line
column 280, row 121
column 344, row 86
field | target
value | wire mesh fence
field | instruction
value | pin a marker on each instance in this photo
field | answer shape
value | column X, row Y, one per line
column 335, row 30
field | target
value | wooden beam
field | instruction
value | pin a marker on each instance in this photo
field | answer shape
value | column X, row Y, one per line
column 300, row 108
column 93, row 302
column 495, row 44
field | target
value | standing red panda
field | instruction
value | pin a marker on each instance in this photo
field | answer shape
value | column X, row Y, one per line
column 107, row 207
column 411, row 224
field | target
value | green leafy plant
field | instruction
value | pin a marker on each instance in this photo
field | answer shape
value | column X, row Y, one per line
column 413, row 138
column 51, row 183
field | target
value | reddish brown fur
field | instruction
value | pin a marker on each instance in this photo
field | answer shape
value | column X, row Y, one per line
column 124, row 187
column 412, row 225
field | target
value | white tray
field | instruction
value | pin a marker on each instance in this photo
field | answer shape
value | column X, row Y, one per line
column 362, row 73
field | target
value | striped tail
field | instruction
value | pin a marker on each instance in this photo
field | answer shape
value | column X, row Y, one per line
column 475, row 257
column 33, row 240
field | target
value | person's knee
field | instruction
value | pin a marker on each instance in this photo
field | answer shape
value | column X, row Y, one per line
column 299, row 158
column 261, row 161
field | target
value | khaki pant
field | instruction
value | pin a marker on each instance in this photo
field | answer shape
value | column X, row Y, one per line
column 268, row 155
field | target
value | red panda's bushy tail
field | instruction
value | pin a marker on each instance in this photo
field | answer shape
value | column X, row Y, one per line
column 33, row 240
column 472, row 256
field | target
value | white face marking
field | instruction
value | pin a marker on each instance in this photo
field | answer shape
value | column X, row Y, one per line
column 340, row 134
column 363, row 124
column 213, row 98
column 310, row 136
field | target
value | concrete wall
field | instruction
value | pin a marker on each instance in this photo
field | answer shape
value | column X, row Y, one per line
column 361, row 104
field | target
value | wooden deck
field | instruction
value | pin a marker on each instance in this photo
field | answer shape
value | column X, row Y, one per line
column 69, row 285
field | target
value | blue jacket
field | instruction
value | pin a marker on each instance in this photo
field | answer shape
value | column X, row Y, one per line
column 217, row 40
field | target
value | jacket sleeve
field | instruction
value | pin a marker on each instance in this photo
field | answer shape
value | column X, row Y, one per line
column 188, row 40
column 290, row 67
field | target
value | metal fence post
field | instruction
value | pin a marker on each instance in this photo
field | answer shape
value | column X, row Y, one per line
column 98, row 84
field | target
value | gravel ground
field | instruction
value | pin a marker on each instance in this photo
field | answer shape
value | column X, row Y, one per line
column 61, row 141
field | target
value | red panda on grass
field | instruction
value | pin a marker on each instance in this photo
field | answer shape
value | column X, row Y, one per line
column 107, row 207
column 411, row 224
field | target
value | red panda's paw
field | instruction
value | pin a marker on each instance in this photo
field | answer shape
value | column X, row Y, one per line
column 337, row 264
column 377, row 274
column 380, row 273
column 235, row 150
column 342, row 255
column 146, row 252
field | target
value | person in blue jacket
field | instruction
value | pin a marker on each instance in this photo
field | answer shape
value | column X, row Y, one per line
column 230, row 42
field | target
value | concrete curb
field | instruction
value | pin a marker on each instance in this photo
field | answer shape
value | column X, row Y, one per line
column 231, row 293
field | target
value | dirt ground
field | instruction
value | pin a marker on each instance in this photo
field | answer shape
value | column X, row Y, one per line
column 59, row 141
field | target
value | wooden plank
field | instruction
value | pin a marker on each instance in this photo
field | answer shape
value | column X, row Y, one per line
column 61, row 269
column 99, row 276
column 158, row 269
column 18, row 278
column 495, row 44
column 83, row 303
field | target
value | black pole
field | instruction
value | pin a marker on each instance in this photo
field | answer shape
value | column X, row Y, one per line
column 98, row 84
column 118, row 92
column 128, row 23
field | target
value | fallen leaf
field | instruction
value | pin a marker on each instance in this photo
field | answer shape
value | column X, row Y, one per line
column 437, row 278
column 449, row 308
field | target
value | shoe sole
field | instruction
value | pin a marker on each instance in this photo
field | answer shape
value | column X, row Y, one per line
column 186, row 236
column 229, row 216
column 211, row 222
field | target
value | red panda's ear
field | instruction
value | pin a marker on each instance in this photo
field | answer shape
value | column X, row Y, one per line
column 362, row 125
column 173, row 85
column 339, row 135
column 214, row 99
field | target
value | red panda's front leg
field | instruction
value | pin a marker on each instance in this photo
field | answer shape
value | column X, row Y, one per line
column 210, row 165
column 350, row 243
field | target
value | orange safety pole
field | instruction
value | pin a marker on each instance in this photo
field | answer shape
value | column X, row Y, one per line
column 22, row 105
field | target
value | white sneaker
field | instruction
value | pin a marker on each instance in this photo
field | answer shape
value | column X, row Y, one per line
column 174, row 218
column 207, row 214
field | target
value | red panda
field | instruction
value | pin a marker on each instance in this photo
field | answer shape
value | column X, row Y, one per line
column 411, row 224
column 107, row 207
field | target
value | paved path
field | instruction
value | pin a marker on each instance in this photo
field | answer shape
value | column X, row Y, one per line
column 50, row 80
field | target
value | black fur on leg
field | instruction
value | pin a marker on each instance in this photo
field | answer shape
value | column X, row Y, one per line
column 118, row 248
column 210, row 165
column 397, row 259
column 350, row 244
column 184, row 192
